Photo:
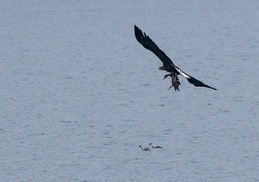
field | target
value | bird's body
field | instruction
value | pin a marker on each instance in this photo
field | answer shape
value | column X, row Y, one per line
column 168, row 65
column 144, row 149
column 156, row 147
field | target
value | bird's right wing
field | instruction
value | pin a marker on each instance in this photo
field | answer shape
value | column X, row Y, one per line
column 145, row 40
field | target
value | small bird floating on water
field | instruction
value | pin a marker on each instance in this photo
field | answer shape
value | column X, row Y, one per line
column 156, row 147
column 168, row 65
column 144, row 149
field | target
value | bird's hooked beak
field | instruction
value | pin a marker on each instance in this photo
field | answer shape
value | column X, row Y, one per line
column 161, row 68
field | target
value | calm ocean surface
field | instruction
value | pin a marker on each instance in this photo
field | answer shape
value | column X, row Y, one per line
column 79, row 94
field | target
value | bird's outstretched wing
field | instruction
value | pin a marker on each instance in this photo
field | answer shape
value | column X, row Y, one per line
column 192, row 80
column 144, row 39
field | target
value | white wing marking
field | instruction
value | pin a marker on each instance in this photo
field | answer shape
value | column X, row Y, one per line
column 182, row 73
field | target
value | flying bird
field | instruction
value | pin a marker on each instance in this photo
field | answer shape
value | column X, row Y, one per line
column 168, row 65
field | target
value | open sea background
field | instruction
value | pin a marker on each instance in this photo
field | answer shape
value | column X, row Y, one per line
column 79, row 94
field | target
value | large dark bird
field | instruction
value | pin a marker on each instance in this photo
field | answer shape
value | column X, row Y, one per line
column 168, row 65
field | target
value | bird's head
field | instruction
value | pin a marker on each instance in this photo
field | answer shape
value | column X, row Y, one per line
column 150, row 144
column 161, row 68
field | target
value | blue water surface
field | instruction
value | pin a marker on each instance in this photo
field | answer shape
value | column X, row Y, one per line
column 79, row 94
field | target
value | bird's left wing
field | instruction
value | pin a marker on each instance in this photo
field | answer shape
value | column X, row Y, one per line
column 192, row 80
